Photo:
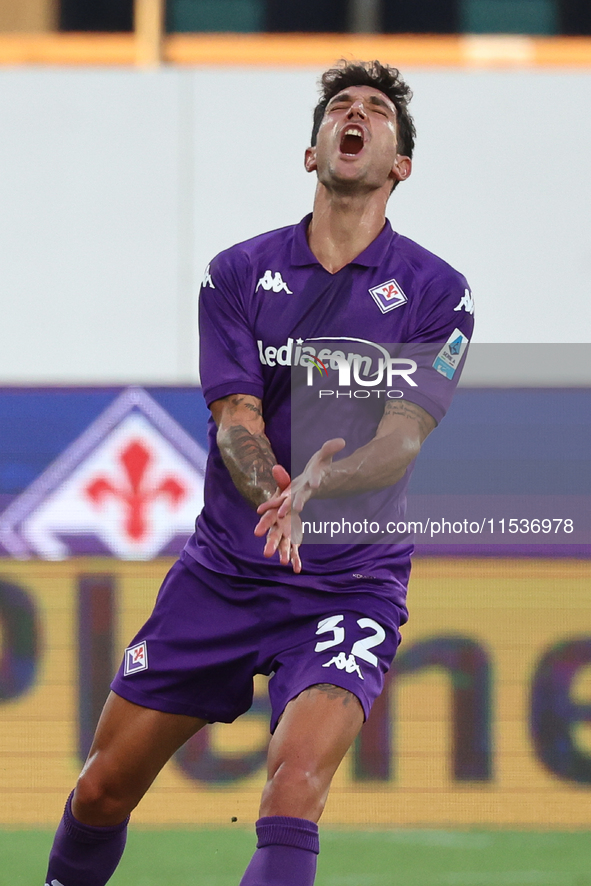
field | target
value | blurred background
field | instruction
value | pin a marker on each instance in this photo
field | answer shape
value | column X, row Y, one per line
column 331, row 16
column 140, row 139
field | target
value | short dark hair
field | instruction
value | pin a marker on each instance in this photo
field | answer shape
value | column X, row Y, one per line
column 379, row 76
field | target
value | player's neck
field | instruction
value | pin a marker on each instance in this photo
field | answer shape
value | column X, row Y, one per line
column 343, row 226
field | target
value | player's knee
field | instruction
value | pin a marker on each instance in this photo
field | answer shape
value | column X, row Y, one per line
column 295, row 790
column 97, row 802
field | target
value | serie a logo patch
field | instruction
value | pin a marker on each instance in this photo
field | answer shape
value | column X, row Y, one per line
column 388, row 296
column 136, row 658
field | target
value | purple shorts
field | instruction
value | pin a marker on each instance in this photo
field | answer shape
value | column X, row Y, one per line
column 210, row 633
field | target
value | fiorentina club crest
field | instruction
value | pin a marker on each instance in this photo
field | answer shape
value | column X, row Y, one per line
column 388, row 296
column 130, row 485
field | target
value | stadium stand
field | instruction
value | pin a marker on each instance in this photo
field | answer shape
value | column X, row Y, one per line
column 535, row 17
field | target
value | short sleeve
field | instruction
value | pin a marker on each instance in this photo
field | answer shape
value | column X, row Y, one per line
column 228, row 360
column 438, row 342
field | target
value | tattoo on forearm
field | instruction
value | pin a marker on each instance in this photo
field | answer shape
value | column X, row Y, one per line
column 238, row 401
column 410, row 410
column 249, row 459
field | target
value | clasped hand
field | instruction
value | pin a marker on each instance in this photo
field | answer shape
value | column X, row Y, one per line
column 280, row 514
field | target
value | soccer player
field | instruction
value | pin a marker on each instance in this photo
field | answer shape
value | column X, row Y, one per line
column 323, row 620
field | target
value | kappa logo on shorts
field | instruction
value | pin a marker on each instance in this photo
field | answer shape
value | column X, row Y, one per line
column 345, row 662
column 136, row 658
column 388, row 296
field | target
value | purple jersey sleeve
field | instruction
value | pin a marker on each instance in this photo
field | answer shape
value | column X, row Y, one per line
column 439, row 342
column 228, row 359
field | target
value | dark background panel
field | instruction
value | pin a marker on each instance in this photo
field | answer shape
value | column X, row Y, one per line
column 332, row 16
column 421, row 17
column 96, row 15
column 328, row 16
column 575, row 17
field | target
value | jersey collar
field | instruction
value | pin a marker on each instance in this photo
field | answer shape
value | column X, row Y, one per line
column 372, row 257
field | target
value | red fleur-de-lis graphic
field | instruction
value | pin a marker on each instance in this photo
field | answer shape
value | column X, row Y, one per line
column 390, row 291
column 135, row 458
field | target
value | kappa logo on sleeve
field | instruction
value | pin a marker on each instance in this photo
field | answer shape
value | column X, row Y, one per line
column 273, row 282
column 388, row 296
column 136, row 658
column 466, row 302
column 207, row 280
column 448, row 358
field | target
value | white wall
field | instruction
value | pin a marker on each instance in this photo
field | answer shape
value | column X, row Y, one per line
column 90, row 250
column 118, row 187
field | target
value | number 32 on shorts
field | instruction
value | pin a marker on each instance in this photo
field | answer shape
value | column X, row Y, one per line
column 360, row 648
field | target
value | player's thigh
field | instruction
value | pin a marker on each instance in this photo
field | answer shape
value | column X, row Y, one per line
column 315, row 732
column 130, row 747
column 347, row 642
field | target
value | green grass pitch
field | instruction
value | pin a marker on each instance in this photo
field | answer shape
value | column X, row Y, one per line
column 348, row 858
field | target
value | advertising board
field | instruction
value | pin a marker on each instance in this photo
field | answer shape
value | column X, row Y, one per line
column 486, row 718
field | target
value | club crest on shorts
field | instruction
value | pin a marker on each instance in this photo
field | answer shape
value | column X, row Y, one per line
column 136, row 658
column 388, row 296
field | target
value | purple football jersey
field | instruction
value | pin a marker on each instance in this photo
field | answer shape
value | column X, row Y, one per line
column 268, row 305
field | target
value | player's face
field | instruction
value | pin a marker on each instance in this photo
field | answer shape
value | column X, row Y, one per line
column 357, row 145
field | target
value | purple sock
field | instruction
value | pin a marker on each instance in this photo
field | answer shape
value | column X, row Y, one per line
column 83, row 855
column 286, row 853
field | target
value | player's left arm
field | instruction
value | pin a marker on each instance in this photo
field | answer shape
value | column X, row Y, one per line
column 384, row 460
column 379, row 463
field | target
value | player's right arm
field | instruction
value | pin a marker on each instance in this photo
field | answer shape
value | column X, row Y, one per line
column 250, row 460
column 244, row 446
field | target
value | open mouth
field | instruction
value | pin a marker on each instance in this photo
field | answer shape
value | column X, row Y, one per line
column 351, row 140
